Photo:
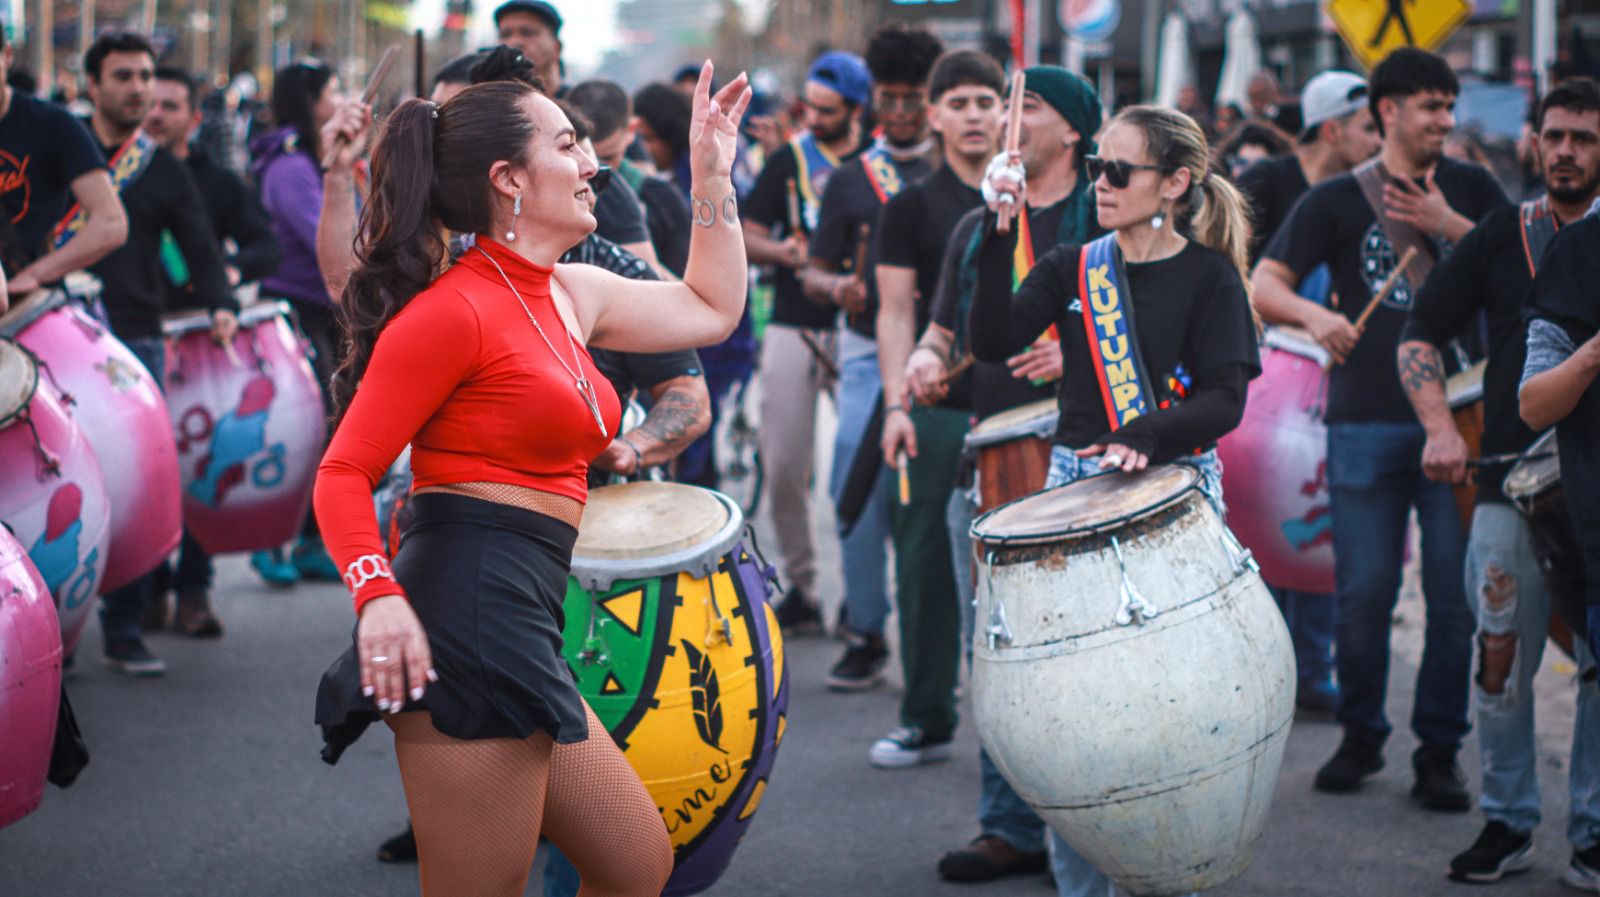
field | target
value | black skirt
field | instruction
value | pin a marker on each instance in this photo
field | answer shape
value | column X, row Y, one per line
column 487, row 581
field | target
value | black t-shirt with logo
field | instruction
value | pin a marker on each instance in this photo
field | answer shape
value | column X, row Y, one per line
column 1272, row 186
column 768, row 206
column 1333, row 225
column 43, row 149
column 913, row 233
column 851, row 201
column 1487, row 273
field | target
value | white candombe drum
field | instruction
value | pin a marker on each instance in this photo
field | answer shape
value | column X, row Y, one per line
column 1132, row 678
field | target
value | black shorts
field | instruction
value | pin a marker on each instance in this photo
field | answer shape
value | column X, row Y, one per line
column 487, row 581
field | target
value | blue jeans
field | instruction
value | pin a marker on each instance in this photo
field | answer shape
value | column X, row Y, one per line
column 1508, row 594
column 120, row 609
column 1075, row 877
column 1375, row 479
column 1312, row 619
column 863, row 553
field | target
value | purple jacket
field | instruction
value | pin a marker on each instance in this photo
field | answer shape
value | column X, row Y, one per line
column 291, row 191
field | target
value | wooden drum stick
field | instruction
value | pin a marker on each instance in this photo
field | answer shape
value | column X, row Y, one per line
column 374, row 84
column 1387, row 287
column 1013, row 139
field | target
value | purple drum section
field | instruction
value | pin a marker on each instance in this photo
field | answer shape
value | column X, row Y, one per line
column 119, row 406
column 53, row 496
column 30, row 681
column 699, row 867
column 249, row 435
column 1274, row 473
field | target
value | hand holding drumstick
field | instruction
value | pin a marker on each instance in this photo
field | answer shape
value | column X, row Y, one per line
column 1338, row 334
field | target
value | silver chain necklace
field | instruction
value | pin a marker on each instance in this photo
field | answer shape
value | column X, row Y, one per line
column 584, row 387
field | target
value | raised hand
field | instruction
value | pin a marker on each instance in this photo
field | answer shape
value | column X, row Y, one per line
column 714, row 126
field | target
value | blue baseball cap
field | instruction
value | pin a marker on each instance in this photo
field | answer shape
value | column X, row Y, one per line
column 844, row 74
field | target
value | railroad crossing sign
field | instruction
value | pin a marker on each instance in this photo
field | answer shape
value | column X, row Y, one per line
column 1372, row 28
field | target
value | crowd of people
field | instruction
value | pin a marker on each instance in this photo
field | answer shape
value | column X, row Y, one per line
column 491, row 274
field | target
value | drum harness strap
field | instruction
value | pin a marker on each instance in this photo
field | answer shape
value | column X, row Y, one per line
column 127, row 164
column 1108, row 324
column 52, row 464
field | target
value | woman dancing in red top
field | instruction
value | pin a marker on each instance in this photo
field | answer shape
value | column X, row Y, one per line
column 483, row 370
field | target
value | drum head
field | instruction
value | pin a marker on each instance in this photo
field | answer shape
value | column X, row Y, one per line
column 24, row 313
column 1096, row 505
column 1297, row 342
column 638, row 530
column 250, row 316
column 19, row 378
column 1466, row 387
column 1033, row 419
column 1534, row 475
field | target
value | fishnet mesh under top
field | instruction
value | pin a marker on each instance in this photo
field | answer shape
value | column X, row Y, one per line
column 567, row 510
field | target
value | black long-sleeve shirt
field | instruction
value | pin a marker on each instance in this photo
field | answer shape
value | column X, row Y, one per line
column 163, row 198
column 236, row 214
column 1194, row 328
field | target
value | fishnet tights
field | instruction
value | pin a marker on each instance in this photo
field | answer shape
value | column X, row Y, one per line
column 478, row 805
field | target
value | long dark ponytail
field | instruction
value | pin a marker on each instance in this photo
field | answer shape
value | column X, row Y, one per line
column 430, row 170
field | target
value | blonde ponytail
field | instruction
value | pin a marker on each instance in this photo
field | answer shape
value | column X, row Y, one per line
column 1221, row 221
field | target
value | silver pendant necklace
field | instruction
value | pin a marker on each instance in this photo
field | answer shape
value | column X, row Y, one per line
column 581, row 382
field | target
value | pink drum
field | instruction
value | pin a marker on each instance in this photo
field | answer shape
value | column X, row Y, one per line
column 119, row 406
column 1274, row 466
column 250, row 428
column 30, row 681
column 52, row 494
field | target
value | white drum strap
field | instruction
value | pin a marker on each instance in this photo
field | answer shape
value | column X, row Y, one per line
column 1134, row 606
column 365, row 569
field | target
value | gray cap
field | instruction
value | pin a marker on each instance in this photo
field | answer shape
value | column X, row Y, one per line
column 1331, row 95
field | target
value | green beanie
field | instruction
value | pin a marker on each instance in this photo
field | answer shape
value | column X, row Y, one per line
column 1069, row 94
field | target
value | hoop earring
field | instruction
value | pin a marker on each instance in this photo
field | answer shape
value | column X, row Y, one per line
column 516, row 211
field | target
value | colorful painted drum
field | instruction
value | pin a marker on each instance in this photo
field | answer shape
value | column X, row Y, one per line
column 1132, row 677
column 52, row 493
column 250, row 428
column 119, row 406
column 672, row 641
column 1465, row 393
column 1274, row 466
column 1534, row 485
column 1013, row 452
column 30, row 681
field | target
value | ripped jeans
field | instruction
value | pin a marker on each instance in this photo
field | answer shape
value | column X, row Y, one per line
column 1075, row 877
column 1506, row 589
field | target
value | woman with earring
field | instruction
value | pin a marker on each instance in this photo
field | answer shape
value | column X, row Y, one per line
column 1158, row 342
column 482, row 367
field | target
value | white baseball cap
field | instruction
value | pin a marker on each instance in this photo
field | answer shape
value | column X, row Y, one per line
column 1331, row 95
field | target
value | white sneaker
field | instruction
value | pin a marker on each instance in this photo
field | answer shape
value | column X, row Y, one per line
column 1581, row 875
column 905, row 747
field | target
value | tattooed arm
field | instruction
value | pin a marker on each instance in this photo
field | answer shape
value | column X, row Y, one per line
column 681, row 413
column 1444, row 457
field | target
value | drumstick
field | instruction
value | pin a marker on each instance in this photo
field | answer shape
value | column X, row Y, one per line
column 903, row 467
column 1507, row 458
column 233, row 355
column 793, row 195
column 1013, row 139
column 821, row 354
column 374, row 83
column 1387, row 288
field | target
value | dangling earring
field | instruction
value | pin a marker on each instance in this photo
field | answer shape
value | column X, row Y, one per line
column 1158, row 219
column 516, row 210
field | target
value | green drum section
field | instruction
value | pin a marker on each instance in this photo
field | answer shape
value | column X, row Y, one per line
column 671, row 641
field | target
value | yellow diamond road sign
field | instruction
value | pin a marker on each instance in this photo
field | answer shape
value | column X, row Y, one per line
column 1372, row 28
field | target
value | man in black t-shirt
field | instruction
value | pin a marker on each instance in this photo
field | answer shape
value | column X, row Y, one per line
column 925, row 441
column 797, row 347
column 48, row 162
column 162, row 199
column 1375, row 475
column 1491, row 272
column 1339, row 135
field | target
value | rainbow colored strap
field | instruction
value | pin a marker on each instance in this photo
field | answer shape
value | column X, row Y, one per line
column 127, row 163
column 1108, row 324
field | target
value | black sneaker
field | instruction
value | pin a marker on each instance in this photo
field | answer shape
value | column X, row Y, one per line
column 1355, row 759
column 907, row 746
column 1441, row 785
column 798, row 616
column 987, row 858
column 1498, row 852
column 1583, row 872
column 402, row 848
column 861, row 667
column 133, row 658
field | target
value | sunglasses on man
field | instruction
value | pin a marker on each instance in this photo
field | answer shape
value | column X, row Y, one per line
column 1116, row 171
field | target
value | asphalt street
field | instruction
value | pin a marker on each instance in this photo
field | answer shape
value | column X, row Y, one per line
column 207, row 783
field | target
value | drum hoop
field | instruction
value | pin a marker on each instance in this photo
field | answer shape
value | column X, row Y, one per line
column 21, row 412
column 1523, row 495
column 1471, row 393
column 1276, row 338
column 26, row 313
column 188, row 322
column 598, row 574
column 1043, row 427
column 1110, row 525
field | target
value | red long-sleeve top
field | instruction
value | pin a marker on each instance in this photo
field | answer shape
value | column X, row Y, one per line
column 462, row 376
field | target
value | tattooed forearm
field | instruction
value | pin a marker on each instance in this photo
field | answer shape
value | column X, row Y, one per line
column 679, row 416
column 1420, row 365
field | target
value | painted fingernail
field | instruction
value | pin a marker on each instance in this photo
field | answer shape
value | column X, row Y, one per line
column 367, row 691
column 433, row 675
column 416, row 693
column 383, row 704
